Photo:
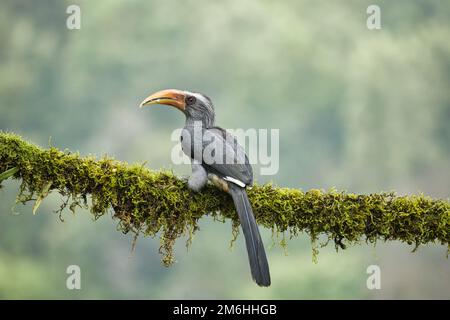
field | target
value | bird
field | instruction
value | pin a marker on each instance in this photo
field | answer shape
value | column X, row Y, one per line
column 216, row 156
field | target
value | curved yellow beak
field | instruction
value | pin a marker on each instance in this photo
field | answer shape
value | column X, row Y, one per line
column 170, row 97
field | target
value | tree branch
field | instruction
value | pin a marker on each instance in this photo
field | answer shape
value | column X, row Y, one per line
column 148, row 202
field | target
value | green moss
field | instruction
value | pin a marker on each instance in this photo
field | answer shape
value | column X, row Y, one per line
column 151, row 202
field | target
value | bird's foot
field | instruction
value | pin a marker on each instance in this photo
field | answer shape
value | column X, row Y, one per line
column 218, row 182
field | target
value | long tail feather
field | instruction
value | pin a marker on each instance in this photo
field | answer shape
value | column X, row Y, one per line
column 255, row 247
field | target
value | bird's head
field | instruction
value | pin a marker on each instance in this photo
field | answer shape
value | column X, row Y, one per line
column 194, row 105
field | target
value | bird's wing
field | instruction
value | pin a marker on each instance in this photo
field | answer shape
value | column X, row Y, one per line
column 232, row 164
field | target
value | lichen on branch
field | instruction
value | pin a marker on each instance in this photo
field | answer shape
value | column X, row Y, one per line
column 157, row 202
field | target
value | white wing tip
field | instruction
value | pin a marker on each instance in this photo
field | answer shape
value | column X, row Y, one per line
column 235, row 181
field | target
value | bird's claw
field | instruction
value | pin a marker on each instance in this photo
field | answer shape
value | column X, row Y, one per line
column 218, row 182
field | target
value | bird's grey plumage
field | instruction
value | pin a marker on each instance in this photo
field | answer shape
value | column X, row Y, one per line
column 198, row 178
column 239, row 168
column 238, row 174
column 255, row 247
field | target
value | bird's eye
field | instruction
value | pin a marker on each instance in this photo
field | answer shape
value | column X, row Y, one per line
column 190, row 100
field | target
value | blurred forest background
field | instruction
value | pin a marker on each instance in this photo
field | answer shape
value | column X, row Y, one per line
column 363, row 111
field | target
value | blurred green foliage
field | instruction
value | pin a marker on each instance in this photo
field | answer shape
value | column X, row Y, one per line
column 360, row 110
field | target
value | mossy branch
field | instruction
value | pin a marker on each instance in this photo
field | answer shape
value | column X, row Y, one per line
column 148, row 202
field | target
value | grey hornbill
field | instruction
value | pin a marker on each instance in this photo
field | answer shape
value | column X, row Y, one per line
column 230, row 176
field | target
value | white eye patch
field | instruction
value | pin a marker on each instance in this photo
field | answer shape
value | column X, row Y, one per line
column 202, row 98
